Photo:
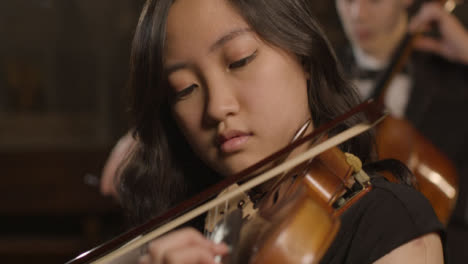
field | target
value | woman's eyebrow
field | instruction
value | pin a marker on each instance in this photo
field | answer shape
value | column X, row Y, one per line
column 175, row 67
column 228, row 37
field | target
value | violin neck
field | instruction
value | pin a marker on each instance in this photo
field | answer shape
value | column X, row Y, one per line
column 397, row 63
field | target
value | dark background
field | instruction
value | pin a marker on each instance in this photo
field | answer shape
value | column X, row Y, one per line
column 63, row 69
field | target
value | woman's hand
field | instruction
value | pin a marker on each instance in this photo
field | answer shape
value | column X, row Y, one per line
column 117, row 157
column 453, row 43
column 185, row 246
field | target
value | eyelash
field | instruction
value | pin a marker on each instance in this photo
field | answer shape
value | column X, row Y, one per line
column 235, row 65
column 242, row 62
column 183, row 93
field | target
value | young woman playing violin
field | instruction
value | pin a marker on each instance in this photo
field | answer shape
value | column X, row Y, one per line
column 220, row 84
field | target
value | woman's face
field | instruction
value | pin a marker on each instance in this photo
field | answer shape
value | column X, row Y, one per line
column 237, row 98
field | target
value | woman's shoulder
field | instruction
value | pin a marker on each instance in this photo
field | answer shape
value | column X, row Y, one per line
column 393, row 199
column 387, row 217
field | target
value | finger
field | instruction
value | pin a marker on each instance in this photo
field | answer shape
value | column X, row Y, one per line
column 177, row 240
column 429, row 12
column 428, row 44
column 191, row 255
column 117, row 156
column 219, row 249
column 145, row 259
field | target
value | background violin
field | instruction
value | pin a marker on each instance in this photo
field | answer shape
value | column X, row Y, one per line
column 398, row 139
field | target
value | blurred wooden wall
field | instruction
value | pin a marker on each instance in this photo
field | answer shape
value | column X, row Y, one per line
column 63, row 71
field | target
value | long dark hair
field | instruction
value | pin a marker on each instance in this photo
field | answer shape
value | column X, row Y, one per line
column 164, row 170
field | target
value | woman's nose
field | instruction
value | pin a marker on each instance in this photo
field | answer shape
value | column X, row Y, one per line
column 221, row 101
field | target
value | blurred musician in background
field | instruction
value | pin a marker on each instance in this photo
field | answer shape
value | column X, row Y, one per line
column 432, row 90
column 115, row 163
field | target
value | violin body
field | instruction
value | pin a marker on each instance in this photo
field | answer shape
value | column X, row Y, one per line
column 304, row 212
column 303, row 235
column 436, row 175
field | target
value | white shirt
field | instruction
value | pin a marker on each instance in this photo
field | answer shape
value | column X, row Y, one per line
column 396, row 99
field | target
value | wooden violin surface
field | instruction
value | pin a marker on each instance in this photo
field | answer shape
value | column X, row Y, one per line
column 436, row 175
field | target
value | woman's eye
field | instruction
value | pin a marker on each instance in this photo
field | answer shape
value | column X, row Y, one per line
column 242, row 62
column 184, row 92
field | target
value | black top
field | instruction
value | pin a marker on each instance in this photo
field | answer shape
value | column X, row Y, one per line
column 384, row 219
column 437, row 108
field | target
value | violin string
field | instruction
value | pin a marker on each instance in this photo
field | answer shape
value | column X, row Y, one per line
column 214, row 219
column 226, row 205
column 207, row 224
column 299, row 134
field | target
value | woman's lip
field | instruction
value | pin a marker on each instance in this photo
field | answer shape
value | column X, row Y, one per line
column 234, row 144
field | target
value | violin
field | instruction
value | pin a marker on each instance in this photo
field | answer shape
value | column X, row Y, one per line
column 300, row 215
column 302, row 209
column 435, row 174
